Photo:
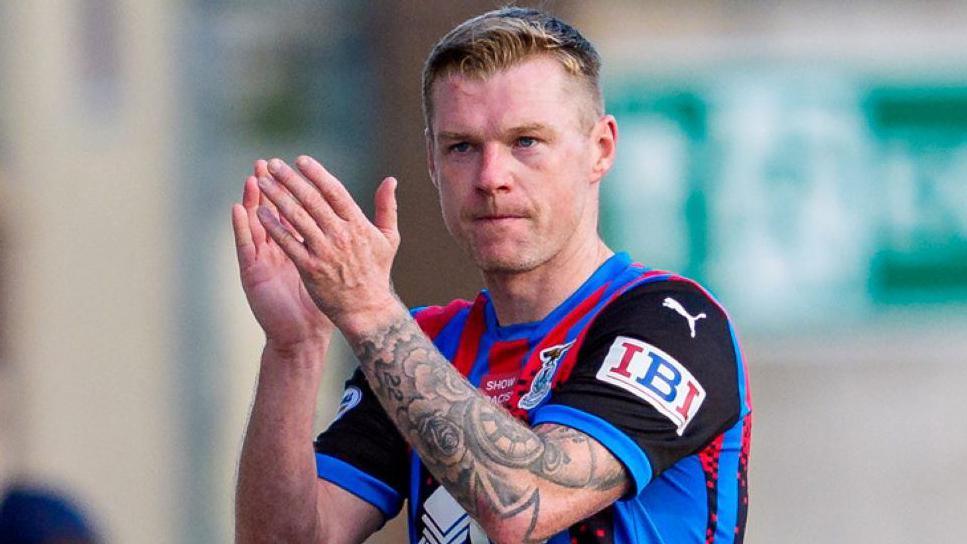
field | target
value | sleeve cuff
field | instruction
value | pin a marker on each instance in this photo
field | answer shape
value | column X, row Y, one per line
column 617, row 442
column 357, row 482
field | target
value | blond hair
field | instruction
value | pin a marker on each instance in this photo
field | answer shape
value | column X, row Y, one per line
column 497, row 40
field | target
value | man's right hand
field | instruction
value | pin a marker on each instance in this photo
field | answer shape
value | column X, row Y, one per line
column 272, row 285
column 279, row 498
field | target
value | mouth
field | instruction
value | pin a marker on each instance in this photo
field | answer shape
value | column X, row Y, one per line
column 497, row 220
column 497, row 217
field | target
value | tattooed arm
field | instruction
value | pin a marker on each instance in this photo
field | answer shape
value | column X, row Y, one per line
column 520, row 484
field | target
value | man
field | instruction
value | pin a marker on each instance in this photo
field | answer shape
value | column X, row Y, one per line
column 580, row 398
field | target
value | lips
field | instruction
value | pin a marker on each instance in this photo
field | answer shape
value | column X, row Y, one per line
column 496, row 214
column 498, row 217
column 498, row 221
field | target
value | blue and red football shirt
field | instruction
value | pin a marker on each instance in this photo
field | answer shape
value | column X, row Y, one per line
column 643, row 361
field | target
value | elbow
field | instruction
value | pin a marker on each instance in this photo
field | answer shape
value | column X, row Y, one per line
column 516, row 529
column 509, row 537
column 262, row 529
column 514, row 533
column 287, row 534
column 541, row 517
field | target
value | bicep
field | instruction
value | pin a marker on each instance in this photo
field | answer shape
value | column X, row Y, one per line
column 649, row 384
column 344, row 518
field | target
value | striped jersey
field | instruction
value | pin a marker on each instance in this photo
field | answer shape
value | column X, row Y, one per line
column 645, row 362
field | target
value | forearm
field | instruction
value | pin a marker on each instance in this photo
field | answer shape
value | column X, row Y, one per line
column 276, row 494
column 501, row 471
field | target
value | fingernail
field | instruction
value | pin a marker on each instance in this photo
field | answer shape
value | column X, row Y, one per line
column 302, row 161
column 275, row 166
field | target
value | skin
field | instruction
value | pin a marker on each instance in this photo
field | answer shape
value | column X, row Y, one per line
column 518, row 174
column 518, row 171
column 277, row 497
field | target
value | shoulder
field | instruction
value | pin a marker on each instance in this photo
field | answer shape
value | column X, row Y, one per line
column 664, row 330
column 669, row 308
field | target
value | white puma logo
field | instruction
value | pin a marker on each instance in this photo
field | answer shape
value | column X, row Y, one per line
column 677, row 306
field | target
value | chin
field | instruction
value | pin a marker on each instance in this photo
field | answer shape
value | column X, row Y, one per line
column 505, row 262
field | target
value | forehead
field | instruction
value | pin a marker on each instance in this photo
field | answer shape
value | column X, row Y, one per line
column 537, row 90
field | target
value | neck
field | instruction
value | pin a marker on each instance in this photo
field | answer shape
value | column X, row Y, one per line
column 524, row 297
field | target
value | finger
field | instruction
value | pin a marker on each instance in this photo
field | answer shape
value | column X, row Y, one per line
column 332, row 189
column 263, row 201
column 385, row 216
column 292, row 229
column 289, row 209
column 244, row 246
column 260, row 168
column 250, row 193
column 250, row 201
column 292, row 247
column 304, row 192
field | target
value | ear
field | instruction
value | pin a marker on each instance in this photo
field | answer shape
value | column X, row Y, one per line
column 604, row 139
column 430, row 160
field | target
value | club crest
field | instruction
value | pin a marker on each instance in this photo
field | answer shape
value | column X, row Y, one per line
column 350, row 398
column 541, row 385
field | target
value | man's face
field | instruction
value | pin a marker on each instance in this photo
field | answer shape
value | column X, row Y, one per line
column 517, row 161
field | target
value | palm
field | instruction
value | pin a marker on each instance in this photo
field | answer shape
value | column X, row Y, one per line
column 278, row 297
column 272, row 285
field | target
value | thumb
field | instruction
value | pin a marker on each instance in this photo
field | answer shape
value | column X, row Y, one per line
column 385, row 216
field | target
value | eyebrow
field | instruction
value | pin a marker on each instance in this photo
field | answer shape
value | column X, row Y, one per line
column 531, row 127
column 451, row 136
column 522, row 129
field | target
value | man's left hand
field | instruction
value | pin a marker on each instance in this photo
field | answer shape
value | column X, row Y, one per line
column 344, row 259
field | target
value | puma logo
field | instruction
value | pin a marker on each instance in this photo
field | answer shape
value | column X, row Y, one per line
column 680, row 310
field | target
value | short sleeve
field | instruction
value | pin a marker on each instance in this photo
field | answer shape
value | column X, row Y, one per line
column 656, row 378
column 362, row 451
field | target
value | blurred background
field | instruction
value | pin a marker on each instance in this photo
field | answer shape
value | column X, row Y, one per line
column 805, row 160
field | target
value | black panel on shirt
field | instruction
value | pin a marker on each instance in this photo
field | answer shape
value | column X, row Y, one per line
column 640, row 314
column 365, row 438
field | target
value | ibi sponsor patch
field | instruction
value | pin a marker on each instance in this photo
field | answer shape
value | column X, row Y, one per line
column 654, row 376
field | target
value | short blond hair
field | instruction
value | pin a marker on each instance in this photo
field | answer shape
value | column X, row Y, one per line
column 497, row 40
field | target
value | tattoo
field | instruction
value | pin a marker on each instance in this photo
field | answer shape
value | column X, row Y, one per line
column 475, row 448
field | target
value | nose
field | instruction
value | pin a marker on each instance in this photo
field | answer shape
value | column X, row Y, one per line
column 495, row 174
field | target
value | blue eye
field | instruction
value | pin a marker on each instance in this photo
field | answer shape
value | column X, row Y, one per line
column 461, row 147
column 526, row 141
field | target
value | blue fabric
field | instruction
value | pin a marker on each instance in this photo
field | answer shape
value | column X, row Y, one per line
column 481, row 363
column 30, row 516
column 415, row 466
column 448, row 340
column 743, row 393
column 617, row 442
column 675, row 505
column 728, row 491
column 560, row 538
column 357, row 482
